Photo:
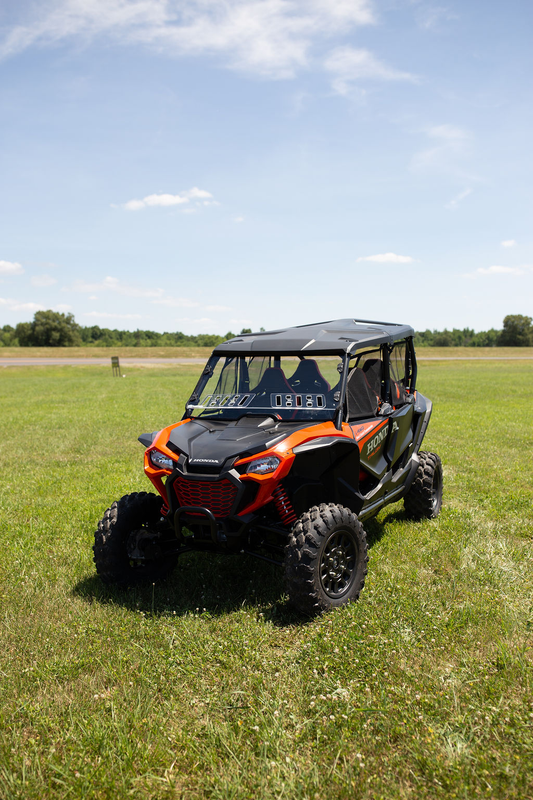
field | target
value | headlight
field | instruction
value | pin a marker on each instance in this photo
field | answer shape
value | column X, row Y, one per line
column 161, row 461
column 262, row 466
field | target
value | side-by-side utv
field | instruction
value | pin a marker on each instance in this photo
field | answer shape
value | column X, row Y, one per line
column 289, row 442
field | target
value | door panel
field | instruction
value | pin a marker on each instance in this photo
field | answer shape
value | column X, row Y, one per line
column 401, row 432
column 371, row 438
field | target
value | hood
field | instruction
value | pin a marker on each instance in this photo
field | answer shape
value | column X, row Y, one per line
column 211, row 443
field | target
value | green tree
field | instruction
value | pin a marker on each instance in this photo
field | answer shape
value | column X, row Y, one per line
column 486, row 338
column 443, row 339
column 424, row 338
column 517, row 331
column 23, row 334
column 53, row 329
column 8, row 337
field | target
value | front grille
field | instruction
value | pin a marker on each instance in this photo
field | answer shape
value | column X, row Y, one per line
column 217, row 496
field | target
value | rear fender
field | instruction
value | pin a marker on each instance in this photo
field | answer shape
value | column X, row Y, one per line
column 422, row 410
column 422, row 414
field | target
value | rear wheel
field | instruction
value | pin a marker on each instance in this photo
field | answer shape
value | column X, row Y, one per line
column 131, row 543
column 325, row 559
column 424, row 498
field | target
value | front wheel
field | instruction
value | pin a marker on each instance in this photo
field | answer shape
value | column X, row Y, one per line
column 325, row 559
column 131, row 543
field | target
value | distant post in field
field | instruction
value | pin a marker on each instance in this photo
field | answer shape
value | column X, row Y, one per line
column 115, row 366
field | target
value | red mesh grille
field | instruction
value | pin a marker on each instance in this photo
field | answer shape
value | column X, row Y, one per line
column 217, row 496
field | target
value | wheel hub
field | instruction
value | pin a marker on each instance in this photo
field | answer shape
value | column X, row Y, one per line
column 336, row 563
column 143, row 545
column 337, row 566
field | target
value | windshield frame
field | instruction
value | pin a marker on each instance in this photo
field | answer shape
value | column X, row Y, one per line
column 321, row 414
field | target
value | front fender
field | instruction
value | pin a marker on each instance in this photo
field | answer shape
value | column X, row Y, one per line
column 325, row 470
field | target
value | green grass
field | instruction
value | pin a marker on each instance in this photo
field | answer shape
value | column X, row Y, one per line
column 208, row 685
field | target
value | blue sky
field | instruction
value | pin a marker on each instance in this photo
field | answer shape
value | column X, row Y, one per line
column 208, row 165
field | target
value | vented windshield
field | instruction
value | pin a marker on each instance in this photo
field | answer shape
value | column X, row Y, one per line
column 289, row 387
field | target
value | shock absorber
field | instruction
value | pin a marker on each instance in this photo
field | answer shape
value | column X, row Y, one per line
column 284, row 506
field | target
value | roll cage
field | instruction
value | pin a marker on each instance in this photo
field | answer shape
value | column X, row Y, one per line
column 372, row 380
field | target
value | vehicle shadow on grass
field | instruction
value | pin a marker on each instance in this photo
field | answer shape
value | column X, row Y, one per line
column 216, row 586
column 207, row 585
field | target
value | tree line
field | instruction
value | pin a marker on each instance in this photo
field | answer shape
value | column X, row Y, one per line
column 54, row 329
column 517, row 331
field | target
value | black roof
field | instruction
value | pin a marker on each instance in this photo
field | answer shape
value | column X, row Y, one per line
column 333, row 337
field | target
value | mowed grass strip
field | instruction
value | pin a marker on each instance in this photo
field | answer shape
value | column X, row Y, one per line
column 204, row 352
column 105, row 352
column 208, row 685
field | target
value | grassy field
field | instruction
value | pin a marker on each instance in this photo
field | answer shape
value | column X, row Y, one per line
column 107, row 352
column 208, row 685
column 204, row 352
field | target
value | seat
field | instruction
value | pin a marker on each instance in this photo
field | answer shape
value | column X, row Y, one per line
column 307, row 378
column 363, row 401
column 272, row 381
column 372, row 371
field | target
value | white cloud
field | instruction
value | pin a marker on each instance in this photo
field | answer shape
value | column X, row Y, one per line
column 387, row 258
column 43, row 280
column 454, row 202
column 198, row 194
column 274, row 38
column 508, row 243
column 63, row 307
column 496, row 269
column 110, row 284
column 166, row 200
column 243, row 323
column 449, row 133
column 450, row 145
column 114, row 285
column 200, row 321
column 431, row 17
column 348, row 64
column 106, row 315
column 11, row 268
column 217, row 308
column 238, row 219
column 132, row 205
column 16, row 305
column 175, row 302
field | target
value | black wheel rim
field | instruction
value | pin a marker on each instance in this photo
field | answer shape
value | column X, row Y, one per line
column 436, row 491
column 338, row 563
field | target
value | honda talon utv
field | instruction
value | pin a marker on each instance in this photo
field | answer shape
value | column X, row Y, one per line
column 289, row 442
